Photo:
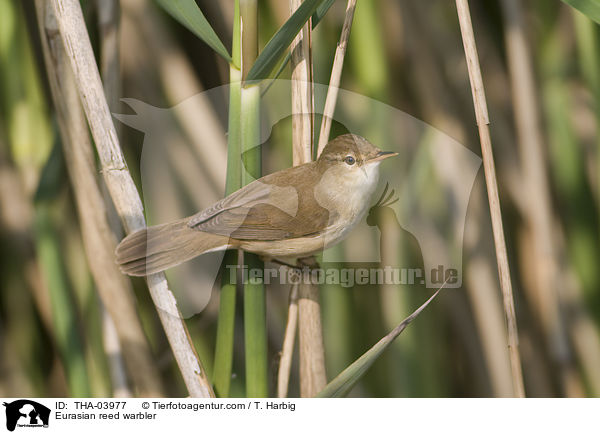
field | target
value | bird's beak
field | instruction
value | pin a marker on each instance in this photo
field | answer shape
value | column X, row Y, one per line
column 382, row 155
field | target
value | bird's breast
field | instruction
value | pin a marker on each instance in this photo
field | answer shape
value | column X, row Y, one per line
column 347, row 194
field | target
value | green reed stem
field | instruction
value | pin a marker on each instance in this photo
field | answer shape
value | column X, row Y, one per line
column 255, row 325
column 226, row 320
column 255, row 321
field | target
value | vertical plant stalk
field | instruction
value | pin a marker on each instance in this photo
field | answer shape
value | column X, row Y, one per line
column 438, row 102
column 226, row 320
column 302, row 93
column 287, row 351
column 225, row 330
column 482, row 117
column 255, row 333
column 114, row 353
column 120, row 184
column 313, row 377
column 108, row 21
column 336, row 75
column 109, row 14
column 538, row 213
column 255, row 310
column 99, row 242
column 312, row 353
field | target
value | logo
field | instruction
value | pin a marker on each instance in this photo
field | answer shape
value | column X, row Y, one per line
column 26, row 413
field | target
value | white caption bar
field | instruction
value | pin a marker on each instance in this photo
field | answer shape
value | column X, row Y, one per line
column 41, row 416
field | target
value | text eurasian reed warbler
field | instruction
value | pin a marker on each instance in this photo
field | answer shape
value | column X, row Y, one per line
column 289, row 214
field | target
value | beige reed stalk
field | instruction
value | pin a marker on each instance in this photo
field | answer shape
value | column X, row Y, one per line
column 302, row 93
column 336, row 75
column 481, row 281
column 313, row 377
column 99, row 242
column 110, row 69
column 287, row 351
column 114, row 354
column 120, row 184
column 538, row 213
column 482, row 117
column 110, row 65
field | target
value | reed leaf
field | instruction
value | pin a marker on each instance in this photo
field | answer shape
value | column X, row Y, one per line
column 343, row 383
column 321, row 11
column 316, row 19
column 189, row 14
column 280, row 42
column 590, row 8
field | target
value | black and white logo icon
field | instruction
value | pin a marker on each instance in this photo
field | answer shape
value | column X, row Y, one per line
column 26, row 413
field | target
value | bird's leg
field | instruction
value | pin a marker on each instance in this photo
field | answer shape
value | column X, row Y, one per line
column 280, row 262
column 295, row 270
column 302, row 263
column 309, row 262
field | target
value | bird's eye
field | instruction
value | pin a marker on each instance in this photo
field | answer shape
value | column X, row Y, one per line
column 349, row 160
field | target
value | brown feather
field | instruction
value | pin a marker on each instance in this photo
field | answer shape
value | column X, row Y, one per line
column 157, row 248
column 259, row 211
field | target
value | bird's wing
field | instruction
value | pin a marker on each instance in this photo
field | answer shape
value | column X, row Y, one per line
column 263, row 210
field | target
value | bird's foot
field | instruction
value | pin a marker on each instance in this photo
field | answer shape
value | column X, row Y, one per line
column 309, row 263
column 278, row 262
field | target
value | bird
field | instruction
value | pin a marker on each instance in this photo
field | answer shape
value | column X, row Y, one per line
column 287, row 215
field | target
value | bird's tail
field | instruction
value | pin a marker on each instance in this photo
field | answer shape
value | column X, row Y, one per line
column 157, row 248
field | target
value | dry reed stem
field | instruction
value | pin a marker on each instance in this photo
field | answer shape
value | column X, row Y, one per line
column 490, row 325
column 110, row 69
column 302, row 92
column 99, row 243
column 336, row 75
column 287, row 351
column 120, row 184
column 538, row 213
column 482, row 117
column 313, row 376
column 312, row 352
column 439, row 101
column 482, row 290
column 114, row 354
column 110, row 65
